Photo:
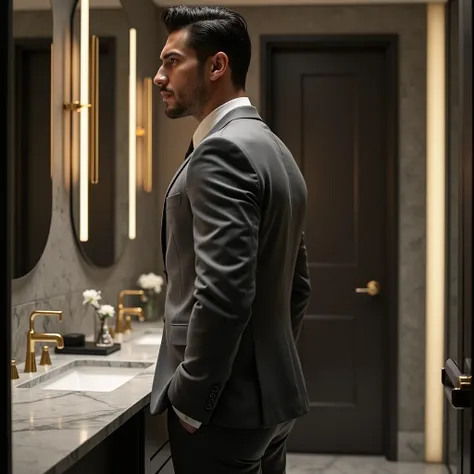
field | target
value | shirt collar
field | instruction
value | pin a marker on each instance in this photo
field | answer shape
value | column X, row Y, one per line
column 215, row 116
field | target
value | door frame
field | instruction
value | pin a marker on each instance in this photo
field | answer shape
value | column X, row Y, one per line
column 269, row 44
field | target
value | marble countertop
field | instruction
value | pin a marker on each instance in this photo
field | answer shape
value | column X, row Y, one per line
column 52, row 429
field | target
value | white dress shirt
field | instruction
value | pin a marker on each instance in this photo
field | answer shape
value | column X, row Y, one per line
column 201, row 131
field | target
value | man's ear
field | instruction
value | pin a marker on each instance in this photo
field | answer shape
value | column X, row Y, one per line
column 219, row 65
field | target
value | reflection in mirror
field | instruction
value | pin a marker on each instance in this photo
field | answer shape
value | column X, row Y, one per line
column 32, row 46
column 108, row 133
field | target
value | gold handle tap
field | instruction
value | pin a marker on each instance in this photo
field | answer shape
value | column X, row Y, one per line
column 45, row 358
column 32, row 336
column 14, row 371
column 127, row 311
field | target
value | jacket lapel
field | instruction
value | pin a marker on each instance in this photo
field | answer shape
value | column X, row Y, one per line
column 163, row 213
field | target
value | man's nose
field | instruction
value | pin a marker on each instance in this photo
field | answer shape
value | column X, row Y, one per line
column 160, row 79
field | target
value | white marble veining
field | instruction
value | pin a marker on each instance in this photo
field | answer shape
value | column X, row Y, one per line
column 316, row 464
column 52, row 429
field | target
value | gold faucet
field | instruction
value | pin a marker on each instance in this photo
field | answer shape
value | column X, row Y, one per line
column 127, row 311
column 32, row 336
column 13, row 370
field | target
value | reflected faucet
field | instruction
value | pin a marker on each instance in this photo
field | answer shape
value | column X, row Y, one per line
column 128, row 311
column 32, row 336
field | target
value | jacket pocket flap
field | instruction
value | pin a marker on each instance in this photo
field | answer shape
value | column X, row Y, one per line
column 173, row 200
column 178, row 334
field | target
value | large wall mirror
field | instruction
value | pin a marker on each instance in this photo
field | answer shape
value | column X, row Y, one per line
column 104, row 240
column 32, row 32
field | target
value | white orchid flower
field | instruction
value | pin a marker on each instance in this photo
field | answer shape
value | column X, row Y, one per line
column 106, row 311
column 91, row 297
column 150, row 281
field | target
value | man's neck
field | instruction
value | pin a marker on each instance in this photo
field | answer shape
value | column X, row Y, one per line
column 217, row 102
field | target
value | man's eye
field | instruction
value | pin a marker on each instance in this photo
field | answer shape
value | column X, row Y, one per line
column 173, row 60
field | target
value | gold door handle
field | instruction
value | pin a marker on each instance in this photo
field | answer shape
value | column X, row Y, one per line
column 372, row 288
column 457, row 386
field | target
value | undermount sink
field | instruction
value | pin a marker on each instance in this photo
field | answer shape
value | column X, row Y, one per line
column 88, row 376
column 149, row 338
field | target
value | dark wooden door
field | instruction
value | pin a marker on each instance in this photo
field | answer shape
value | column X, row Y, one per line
column 329, row 104
column 466, row 443
column 457, row 372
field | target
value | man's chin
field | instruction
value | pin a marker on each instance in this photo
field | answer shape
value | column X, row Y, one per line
column 174, row 113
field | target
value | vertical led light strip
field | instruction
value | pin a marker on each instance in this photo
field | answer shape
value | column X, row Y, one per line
column 84, row 125
column 148, row 114
column 132, row 138
column 435, row 230
column 51, row 136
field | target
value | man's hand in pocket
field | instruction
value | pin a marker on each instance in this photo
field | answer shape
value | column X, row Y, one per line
column 188, row 427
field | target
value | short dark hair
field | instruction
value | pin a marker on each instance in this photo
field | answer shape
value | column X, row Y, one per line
column 213, row 29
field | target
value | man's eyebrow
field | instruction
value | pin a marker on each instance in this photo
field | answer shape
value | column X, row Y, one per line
column 171, row 53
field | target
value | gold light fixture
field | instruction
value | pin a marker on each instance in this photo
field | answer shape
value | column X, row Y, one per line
column 84, row 125
column 51, row 101
column 88, row 129
column 94, row 123
column 82, row 107
column 435, row 230
column 146, row 132
column 132, row 136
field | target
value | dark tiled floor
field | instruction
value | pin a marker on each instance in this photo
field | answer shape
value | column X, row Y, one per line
column 316, row 464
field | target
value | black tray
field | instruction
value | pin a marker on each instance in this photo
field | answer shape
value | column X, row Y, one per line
column 88, row 349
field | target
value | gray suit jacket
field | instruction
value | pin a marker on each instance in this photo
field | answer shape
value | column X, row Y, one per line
column 238, row 282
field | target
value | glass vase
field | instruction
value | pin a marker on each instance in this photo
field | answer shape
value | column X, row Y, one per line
column 150, row 307
column 104, row 338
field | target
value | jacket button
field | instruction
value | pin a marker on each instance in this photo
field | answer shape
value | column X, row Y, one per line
column 215, row 389
column 211, row 401
column 213, row 395
column 208, row 407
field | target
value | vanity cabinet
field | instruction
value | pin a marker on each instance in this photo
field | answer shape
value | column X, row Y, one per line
column 139, row 446
column 156, row 446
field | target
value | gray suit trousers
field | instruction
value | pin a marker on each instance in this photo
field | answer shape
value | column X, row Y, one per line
column 217, row 450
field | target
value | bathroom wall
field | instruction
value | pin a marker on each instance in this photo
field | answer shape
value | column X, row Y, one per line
column 62, row 274
column 409, row 22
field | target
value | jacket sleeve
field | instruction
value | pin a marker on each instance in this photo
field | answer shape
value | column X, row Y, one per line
column 224, row 194
column 301, row 290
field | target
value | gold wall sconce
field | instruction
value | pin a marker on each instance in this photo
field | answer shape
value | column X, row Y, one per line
column 94, row 119
column 146, row 132
column 88, row 108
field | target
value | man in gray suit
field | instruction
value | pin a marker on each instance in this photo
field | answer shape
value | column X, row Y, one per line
column 228, row 370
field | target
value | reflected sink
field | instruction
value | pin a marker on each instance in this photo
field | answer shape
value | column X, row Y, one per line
column 149, row 338
column 88, row 376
